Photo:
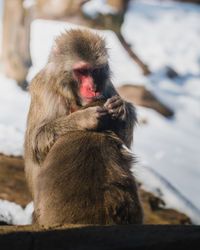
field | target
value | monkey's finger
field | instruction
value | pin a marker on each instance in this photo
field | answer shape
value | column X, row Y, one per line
column 103, row 113
column 101, row 110
column 114, row 98
column 116, row 112
column 113, row 111
column 110, row 104
column 100, row 115
column 116, row 104
column 111, row 100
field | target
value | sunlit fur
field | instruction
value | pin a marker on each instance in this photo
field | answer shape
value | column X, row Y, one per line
column 53, row 92
column 89, row 183
column 81, row 45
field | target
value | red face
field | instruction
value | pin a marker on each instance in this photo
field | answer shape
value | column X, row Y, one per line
column 88, row 90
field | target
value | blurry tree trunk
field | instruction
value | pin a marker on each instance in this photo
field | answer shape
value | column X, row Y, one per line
column 127, row 47
column 120, row 5
column 16, row 58
column 59, row 8
column 115, row 22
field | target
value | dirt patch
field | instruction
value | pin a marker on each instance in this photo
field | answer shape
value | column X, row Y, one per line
column 12, row 180
column 13, row 188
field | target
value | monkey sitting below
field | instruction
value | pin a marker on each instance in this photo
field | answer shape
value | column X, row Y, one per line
column 89, row 183
column 76, row 166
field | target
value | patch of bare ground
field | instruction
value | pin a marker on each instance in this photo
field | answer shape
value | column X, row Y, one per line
column 13, row 188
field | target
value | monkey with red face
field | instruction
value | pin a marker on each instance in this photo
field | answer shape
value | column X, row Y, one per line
column 78, row 74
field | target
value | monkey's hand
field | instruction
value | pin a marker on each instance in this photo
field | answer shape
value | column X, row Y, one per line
column 115, row 106
column 89, row 118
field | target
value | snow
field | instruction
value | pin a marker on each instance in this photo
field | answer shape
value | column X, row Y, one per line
column 28, row 3
column 14, row 105
column 164, row 34
column 1, row 8
column 94, row 7
column 40, row 49
column 169, row 147
column 15, row 214
column 166, row 160
column 1, row 15
column 155, row 183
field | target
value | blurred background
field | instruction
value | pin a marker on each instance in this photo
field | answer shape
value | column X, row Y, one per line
column 154, row 49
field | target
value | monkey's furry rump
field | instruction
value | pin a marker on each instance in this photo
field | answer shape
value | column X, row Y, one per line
column 90, row 182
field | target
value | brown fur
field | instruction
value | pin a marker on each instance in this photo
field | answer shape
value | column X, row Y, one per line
column 54, row 91
column 89, row 183
column 81, row 45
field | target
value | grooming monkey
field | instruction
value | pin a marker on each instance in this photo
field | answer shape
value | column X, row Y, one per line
column 77, row 74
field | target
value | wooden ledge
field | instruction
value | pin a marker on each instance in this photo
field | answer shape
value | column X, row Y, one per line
column 100, row 237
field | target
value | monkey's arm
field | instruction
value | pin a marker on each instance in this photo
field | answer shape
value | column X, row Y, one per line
column 123, row 118
column 48, row 133
column 129, row 123
column 123, row 113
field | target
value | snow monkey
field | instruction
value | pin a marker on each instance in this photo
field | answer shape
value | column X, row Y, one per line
column 75, row 162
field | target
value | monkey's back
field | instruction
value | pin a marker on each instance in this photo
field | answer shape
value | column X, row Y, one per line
column 90, row 182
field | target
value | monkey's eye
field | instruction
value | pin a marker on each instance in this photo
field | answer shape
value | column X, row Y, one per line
column 83, row 72
column 95, row 72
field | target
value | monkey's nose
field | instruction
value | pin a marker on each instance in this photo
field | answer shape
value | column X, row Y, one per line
column 93, row 89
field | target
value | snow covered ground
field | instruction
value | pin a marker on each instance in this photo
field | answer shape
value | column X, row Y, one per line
column 167, row 34
column 163, row 34
column 15, row 214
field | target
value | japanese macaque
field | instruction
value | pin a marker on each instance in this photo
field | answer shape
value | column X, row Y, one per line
column 76, row 165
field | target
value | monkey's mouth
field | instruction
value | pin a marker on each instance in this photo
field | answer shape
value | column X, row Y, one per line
column 90, row 99
column 97, row 97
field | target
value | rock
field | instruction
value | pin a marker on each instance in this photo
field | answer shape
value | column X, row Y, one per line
column 171, row 73
column 121, row 237
column 143, row 97
column 13, row 188
column 189, row 1
column 12, row 180
column 3, row 223
column 156, row 213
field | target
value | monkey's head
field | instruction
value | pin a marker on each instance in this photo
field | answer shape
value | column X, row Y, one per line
column 80, row 56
